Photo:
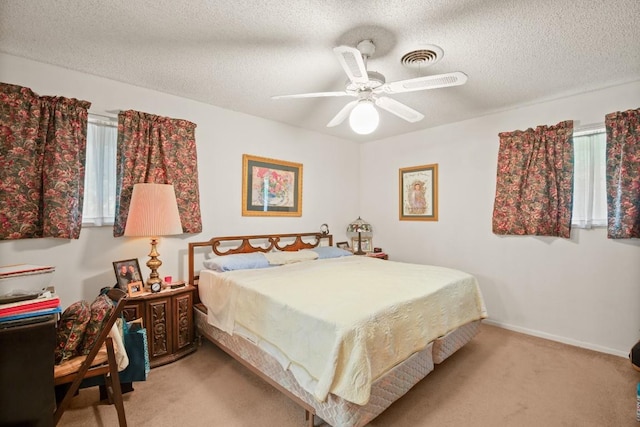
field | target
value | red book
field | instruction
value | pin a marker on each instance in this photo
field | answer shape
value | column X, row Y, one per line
column 27, row 306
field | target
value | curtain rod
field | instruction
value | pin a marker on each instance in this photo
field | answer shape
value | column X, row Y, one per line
column 588, row 128
column 102, row 120
column 104, row 115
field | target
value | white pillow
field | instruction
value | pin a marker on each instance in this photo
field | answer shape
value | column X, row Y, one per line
column 330, row 252
column 237, row 262
column 289, row 257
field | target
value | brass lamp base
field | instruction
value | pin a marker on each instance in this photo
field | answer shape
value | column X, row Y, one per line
column 154, row 264
column 359, row 251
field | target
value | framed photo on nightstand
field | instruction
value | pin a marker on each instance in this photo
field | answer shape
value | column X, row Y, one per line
column 366, row 244
column 343, row 245
column 135, row 288
column 127, row 271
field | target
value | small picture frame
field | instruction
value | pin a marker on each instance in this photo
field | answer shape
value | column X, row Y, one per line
column 366, row 244
column 127, row 271
column 135, row 288
column 343, row 245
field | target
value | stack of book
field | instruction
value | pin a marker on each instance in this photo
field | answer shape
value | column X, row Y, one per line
column 26, row 295
column 39, row 308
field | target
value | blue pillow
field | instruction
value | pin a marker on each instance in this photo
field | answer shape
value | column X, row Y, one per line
column 330, row 252
column 237, row 262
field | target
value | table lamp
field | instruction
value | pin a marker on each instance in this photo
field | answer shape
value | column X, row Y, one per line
column 153, row 212
column 359, row 226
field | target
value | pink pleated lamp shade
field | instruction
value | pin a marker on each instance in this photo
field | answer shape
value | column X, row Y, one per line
column 153, row 211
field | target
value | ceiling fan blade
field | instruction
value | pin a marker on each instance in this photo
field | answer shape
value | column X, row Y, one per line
column 421, row 83
column 311, row 95
column 342, row 114
column 351, row 60
column 399, row 109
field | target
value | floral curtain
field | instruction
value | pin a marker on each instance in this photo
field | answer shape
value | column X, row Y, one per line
column 535, row 182
column 623, row 174
column 42, row 156
column 158, row 150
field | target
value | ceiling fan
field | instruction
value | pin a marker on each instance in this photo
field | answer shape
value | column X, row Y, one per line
column 371, row 89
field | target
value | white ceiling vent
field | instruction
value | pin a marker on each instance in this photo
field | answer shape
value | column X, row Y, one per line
column 423, row 57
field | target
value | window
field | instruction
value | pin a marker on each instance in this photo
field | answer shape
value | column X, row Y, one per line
column 589, row 178
column 100, row 173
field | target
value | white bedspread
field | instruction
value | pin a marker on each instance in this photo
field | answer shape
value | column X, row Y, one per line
column 344, row 321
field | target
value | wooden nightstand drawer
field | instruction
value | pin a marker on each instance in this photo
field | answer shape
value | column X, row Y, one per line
column 183, row 313
column 168, row 318
column 133, row 310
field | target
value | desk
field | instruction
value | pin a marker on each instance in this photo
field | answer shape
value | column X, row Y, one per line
column 26, row 373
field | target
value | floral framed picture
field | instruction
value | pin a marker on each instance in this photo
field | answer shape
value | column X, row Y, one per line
column 271, row 187
column 127, row 271
column 419, row 193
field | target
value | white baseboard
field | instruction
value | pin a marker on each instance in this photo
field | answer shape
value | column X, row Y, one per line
column 557, row 338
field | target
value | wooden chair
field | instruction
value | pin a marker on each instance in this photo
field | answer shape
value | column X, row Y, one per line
column 101, row 360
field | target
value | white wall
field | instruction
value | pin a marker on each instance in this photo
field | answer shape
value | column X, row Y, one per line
column 584, row 290
column 83, row 266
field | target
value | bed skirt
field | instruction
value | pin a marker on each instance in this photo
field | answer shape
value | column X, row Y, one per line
column 453, row 341
column 335, row 410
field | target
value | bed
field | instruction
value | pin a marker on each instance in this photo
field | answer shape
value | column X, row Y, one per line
column 342, row 336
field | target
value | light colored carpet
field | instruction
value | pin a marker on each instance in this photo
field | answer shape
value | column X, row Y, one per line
column 501, row 378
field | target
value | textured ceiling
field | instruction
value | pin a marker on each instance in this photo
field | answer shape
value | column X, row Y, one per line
column 237, row 54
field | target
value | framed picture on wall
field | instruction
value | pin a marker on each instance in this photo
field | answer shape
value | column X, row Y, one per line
column 419, row 193
column 271, row 187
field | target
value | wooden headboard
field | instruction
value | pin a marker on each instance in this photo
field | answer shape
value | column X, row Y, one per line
column 258, row 243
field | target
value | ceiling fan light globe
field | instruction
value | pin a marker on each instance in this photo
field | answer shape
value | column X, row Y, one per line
column 364, row 118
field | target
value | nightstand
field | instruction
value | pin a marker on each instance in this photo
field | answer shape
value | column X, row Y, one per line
column 168, row 318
